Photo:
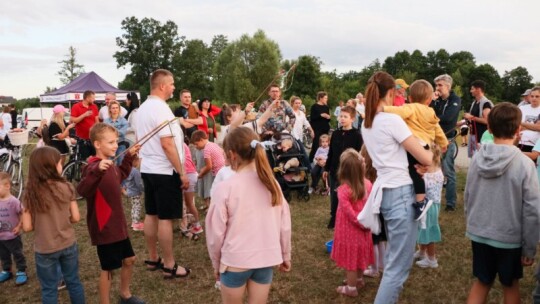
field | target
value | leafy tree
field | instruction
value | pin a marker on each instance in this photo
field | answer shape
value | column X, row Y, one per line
column 193, row 68
column 306, row 79
column 246, row 67
column 515, row 82
column 438, row 63
column 70, row 68
column 146, row 45
column 367, row 72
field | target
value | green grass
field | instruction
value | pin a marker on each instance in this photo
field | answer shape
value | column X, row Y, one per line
column 313, row 278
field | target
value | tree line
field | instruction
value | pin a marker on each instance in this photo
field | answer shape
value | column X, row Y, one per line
column 238, row 71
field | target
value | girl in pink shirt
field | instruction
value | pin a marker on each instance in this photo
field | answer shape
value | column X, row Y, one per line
column 189, row 196
column 248, row 225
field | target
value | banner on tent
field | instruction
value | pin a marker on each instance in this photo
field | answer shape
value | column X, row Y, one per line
column 78, row 96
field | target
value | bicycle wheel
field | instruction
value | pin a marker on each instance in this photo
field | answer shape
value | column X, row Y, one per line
column 456, row 149
column 17, row 180
column 4, row 162
column 73, row 173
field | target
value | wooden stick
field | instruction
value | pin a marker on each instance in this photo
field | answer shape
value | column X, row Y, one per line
column 148, row 135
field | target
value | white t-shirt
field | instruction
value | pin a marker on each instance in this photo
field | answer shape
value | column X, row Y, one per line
column 131, row 133
column 530, row 115
column 104, row 112
column 154, row 160
column 383, row 142
column 361, row 109
column 223, row 174
column 300, row 123
column 6, row 118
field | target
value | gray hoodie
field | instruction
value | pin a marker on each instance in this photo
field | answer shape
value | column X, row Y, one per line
column 502, row 197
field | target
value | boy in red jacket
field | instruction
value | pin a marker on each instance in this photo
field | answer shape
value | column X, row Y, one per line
column 100, row 185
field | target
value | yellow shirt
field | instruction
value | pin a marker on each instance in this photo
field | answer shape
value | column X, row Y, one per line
column 422, row 121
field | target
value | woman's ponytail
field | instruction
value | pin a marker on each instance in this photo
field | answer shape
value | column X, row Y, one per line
column 266, row 175
column 378, row 86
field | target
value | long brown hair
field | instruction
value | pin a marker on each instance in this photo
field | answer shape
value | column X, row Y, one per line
column 371, row 172
column 351, row 172
column 41, row 172
column 378, row 86
column 240, row 141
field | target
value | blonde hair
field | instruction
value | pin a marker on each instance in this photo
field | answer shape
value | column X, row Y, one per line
column 58, row 118
column 324, row 137
column 351, row 172
column 157, row 78
column 420, row 91
column 240, row 141
column 97, row 131
column 114, row 102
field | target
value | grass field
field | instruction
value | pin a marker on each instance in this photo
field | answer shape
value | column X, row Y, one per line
column 313, row 278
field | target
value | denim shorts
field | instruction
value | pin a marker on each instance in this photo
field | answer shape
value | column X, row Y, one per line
column 238, row 279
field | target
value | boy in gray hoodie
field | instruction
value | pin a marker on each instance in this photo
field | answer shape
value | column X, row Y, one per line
column 502, row 204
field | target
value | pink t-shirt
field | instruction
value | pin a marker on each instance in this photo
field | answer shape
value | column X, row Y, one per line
column 10, row 209
column 399, row 101
column 188, row 163
column 214, row 152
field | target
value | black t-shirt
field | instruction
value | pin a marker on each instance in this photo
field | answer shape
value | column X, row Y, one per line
column 481, row 128
column 13, row 119
column 319, row 123
column 184, row 113
column 61, row 145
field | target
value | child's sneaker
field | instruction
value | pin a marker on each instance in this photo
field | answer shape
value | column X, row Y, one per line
column 21, row 278
column 426, row 262
column 132, row 300
column 5, row 275
column 310, row 191
column 419, row 255
column 196, row 229
column 138, row 226
column 421, row 208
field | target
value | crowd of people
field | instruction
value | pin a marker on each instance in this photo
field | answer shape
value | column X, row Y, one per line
column 384, row 168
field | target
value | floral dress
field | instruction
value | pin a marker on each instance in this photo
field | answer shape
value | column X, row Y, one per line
column 353, row 247
column 434, row 184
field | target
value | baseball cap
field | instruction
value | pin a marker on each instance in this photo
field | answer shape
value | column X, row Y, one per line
column 59, row 108
column 526, row 93
column 401, row 83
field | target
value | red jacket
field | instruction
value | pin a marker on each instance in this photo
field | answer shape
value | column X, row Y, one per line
column 212, row 112
column 105, row 215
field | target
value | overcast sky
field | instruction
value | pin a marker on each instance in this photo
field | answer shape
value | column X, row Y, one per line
column 345, row 35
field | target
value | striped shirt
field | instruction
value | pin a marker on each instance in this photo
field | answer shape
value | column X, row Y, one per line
column 214, row 152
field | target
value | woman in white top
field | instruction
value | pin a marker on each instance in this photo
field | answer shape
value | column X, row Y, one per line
column 6, row 119
column 301, row 121
column 387, row 140
column 133, row 103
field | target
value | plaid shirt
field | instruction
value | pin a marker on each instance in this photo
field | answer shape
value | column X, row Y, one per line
column 278, row 122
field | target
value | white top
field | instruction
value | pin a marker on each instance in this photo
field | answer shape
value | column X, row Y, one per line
column 154, row 160
column 223, row 174
column 300, row 123
column 361, row 109
column 131, row 133
column 104, row 112
column 6, row 118
column 383, row 142
column 530, row 115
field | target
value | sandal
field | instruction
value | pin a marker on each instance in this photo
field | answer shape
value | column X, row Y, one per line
column 359, row 282
column 173, row 273
column 372, row 273
column 190, row 235
column 348, row 291
column 154, row 265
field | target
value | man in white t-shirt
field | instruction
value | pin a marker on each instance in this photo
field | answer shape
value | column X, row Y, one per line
column 104, row 111
column 162, row 172
column 530, row 121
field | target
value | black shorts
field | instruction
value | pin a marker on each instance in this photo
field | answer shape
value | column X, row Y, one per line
column 489, row 261
column 111, row 255
column 163, row 195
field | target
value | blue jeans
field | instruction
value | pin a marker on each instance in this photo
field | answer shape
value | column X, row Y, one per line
column 401, row 230
column 450, row 174
column 47, row 273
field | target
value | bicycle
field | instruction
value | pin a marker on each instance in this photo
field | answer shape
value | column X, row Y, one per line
column 11, row 161
column 73, row 169
column 307, row 140
column 452, row 141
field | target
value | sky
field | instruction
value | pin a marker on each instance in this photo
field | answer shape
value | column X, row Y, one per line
column 346, row 35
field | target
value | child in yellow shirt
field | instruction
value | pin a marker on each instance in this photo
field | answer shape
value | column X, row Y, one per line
column 424, row 124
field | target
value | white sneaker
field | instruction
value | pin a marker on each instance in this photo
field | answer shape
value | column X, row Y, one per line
column 427, row 263
column 419, row 255
column 310, row 190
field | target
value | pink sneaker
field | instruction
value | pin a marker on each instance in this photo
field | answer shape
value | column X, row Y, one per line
column 197, row 229
column 138, row 226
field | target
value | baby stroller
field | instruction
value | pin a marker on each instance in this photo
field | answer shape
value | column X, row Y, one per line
column 291, row 167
